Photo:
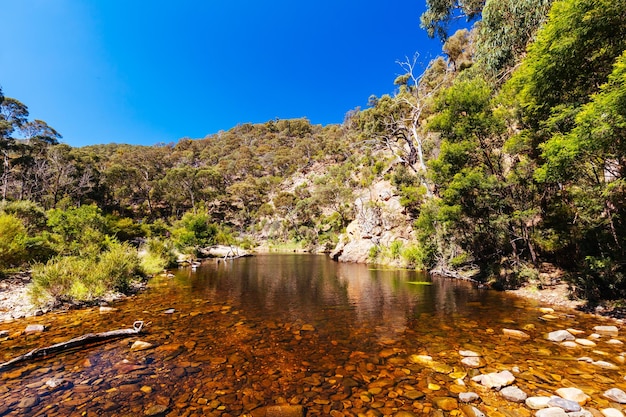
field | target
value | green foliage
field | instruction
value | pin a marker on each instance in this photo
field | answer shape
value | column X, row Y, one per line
column 30, row 213
column 124, row 228
column 439, row 13
column 77, row 231
column 13, row 241
column 396, row 248
column 73, row 278
column 373, row 254
column 194, row 230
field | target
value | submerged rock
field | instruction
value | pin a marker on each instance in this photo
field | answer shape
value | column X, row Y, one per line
column 279, row 411
column 612, row 412
column 495, row 380
column 468, row 397
column 616, row 394
column 34, row 328
column 560, row 336
column 567, row 405
column 537, row 403
column 515, row 334
column 139, row 345
column 551, row 412
column 513, row 394
column 573, row 394
column 606, row 330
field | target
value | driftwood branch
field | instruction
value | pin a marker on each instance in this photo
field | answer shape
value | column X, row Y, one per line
column 72, row 343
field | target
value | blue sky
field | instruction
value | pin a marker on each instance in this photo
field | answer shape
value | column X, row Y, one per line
column 144, row 72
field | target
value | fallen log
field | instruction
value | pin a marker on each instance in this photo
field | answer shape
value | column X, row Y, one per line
column 72, row 343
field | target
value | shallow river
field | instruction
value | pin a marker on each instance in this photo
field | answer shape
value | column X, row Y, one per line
column 300, row 330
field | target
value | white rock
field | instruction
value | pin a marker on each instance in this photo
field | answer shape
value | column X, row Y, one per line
column 615, row 342
column 551, row 412
column 469, row 354
column 575, row 332
column 515, row 334
column 608, row 330
column 560, row 336
column 513, row 394
column 537, row 403
column 573, row 394
column 605, row 365
column 570, row 345
column 34, row 328
column 495, row 380
column 595, row 336
column 468, row 397
column 611, row 412
column 585, row 342
column 139, row 345
column 581, row 413
column 615, row 394
column 472, row 362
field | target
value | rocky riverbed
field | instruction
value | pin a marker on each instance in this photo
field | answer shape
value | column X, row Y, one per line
column 207, row 351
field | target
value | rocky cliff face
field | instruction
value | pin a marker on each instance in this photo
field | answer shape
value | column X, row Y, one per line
column 380, row 220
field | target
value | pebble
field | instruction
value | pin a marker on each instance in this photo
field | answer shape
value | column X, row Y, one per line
column 29, row 401
column 570, row 344
column 606, row 330
column 585, row 342
column 605, row 365
column 515, row 334
column 468, row 397
column 495, row 379
column 140, row 345
column 472, row 362
column 155, row 410
column 471, row 411
column 615, row 394
column 513, row 394
column 560, row 336
column 469, row 353
column 551, row 412
column 567, row 405
column 445, row 403
column 279, row 411
column 537, row 403
column 34, row 328
column 573, row 394
column 611, row 412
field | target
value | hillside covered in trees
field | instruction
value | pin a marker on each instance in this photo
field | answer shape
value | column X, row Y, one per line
column 506, row 153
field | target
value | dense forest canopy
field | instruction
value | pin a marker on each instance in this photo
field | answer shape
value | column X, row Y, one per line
column 508, row 152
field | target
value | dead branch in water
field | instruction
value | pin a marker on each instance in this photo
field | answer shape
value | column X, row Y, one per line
column 72, row 343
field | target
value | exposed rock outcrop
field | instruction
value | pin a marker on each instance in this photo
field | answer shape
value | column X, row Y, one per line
column 379, row 221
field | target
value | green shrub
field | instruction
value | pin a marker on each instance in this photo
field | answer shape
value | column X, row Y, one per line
column 31, row 214
column 13, row 240
column 194, row 230
column 78, row 231
column 73, row 278
column 373, row 253
column 396, row 249
column 156, row 256
column 124, row 228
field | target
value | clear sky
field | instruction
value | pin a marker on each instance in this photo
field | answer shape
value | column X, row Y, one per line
column 150, row 71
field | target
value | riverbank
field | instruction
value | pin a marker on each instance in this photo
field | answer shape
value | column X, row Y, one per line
column 15, row 301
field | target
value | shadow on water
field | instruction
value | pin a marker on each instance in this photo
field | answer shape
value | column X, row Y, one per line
column 231, row 337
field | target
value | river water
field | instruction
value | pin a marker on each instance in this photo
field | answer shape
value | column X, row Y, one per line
column 229, row 339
